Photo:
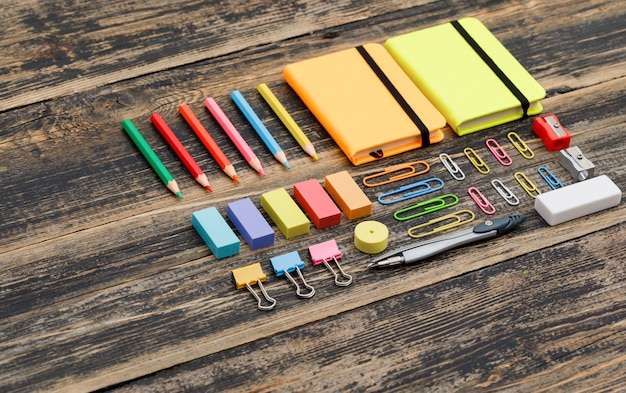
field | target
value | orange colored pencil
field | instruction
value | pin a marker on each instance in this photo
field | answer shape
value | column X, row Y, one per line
column 208, row 141
column 182, row 153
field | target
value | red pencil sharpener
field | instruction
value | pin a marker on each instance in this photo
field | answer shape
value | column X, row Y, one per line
column 551, row 132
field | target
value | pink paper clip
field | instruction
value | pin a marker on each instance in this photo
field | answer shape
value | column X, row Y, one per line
column 498, row 152
column 481, row 200
column 328, row 251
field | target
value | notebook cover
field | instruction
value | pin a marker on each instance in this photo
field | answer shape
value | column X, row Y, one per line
column 358, row 111
column 459, row 82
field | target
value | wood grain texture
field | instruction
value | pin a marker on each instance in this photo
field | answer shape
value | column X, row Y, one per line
column 103, row 280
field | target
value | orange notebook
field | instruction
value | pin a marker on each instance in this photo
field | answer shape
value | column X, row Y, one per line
column 366, row 102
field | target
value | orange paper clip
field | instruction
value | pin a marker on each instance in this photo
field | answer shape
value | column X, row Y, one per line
column 481, row 201
column 456, row 216
column 475, row 159
column 400, row 172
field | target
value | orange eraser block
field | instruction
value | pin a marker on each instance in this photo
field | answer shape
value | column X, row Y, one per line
column 316, row 203
column 348, row 195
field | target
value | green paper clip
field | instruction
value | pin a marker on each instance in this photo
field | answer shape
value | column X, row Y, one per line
column 429, row 206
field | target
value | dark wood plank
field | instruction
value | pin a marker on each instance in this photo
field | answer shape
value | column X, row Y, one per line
column 103, row 280
column 551, row 320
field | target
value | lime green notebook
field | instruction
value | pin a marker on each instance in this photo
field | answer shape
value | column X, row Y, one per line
column 467, row 74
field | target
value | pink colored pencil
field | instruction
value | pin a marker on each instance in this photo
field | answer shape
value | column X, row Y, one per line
column 234, row 135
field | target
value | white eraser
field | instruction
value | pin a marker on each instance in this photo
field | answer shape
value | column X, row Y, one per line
column 578, row 200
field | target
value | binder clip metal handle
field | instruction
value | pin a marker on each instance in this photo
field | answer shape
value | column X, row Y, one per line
column 578, row 166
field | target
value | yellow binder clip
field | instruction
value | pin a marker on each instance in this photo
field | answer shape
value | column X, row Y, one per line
column 247, row 276
column 528, row 186
column 520, row 145
column 457, row 217
column 398, row 172
column 475, row 159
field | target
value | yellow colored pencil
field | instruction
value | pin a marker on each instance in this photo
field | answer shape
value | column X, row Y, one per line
column 287, row 120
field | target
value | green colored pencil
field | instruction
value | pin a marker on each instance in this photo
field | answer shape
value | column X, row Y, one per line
column 151, row 156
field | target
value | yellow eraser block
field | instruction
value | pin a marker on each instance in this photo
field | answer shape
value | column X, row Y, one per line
column 348, row 195
column 285, row 213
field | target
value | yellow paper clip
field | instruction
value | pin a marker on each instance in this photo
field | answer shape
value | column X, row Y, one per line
column 520, row 145
column 475, row 159
column 429, row 206
column 457, row 217
column 247, row 276
column 528, row 186
column 407, row 170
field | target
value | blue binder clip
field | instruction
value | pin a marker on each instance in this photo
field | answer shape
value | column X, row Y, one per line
column 288, row 263
column 425, row 186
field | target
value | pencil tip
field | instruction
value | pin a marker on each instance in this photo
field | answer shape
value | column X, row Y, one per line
column 315, row 157
column 208, row 188
column 179, row 195
column 286, row 164
column 261, row 171
column 236, row 178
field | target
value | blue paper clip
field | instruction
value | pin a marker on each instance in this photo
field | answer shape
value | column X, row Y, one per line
column 288, row 263
column 429, row 206
column 549, row 177
column 427, row 188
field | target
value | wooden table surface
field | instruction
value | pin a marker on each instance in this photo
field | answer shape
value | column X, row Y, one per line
column 104, row 283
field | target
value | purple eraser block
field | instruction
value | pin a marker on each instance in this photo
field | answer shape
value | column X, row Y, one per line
column 251, row 224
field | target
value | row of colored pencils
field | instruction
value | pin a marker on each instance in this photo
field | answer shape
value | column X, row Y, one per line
column 215, row 151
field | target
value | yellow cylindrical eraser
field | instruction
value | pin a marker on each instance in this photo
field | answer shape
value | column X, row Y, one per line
column 371, row 237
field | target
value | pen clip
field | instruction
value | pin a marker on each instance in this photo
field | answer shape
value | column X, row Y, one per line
column 456, row 216
column 428, row 206
column 505, row 192
column 549, row 177
column 528, row 186
column 520, row 145
column 475, row 159
column 498, row 152
column 481, row 201
column 425, row 189
column 400, row 172
column 451, row 166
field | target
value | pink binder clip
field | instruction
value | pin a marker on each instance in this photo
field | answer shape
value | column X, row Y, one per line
column 481, row 200
column 328, row 251
column 498, row 152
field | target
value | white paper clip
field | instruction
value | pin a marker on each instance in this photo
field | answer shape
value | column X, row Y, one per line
column 451, row 166
column 498, row 152
column 423, row 187
column 549, row 177
column 328, row 251
column 481, row 201
column 505, row 192
column 475, row 159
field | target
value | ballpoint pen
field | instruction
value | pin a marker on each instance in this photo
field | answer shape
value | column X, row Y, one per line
column 420, row 251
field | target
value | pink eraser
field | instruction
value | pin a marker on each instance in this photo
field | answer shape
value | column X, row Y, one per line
column 578, row 200
column 316, row 203
column 251, row 224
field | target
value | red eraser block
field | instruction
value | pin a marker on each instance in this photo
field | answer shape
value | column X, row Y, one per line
column 316, row 203
column 551, row 132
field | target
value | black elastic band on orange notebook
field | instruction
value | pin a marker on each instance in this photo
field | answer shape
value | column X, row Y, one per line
column 494, row 67
column 424, row 133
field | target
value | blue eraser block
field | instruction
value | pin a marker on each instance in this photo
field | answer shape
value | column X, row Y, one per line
column 215, row 232
column 251, row 224
column 286, row 263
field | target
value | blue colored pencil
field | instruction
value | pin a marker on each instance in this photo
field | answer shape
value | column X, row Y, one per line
column 259, row 127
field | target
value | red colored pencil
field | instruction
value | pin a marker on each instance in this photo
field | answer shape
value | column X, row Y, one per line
column 180, row 150
column 208, row 141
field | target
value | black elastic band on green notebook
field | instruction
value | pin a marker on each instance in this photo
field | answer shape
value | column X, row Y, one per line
column 494, row 67
column 396, row 94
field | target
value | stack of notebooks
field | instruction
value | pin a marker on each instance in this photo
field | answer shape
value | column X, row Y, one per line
column 376, row 101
